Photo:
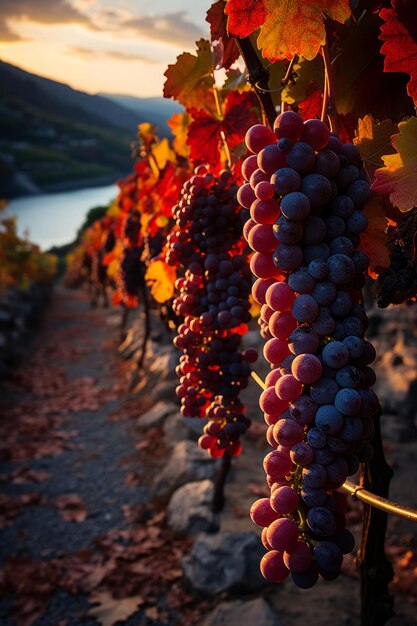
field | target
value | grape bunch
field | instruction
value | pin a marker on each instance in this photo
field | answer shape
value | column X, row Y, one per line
column 213, row 299
column 306, row 192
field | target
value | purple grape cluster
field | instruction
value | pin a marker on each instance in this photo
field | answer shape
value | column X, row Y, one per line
column 306, row 219
column 131, row 271
column 213, row 299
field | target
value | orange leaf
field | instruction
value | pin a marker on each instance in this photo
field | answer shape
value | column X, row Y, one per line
column 190, row 81
column 373, row 139
column 178, row 123
column 161, row 278
column 297, row 26
column 374, row 238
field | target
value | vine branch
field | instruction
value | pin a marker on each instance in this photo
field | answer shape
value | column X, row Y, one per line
column 258, row 77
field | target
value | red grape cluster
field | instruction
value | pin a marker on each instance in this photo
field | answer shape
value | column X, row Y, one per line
column 213, row 298
column 306, row 192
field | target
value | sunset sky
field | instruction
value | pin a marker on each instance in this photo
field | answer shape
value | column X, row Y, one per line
column 113, row 46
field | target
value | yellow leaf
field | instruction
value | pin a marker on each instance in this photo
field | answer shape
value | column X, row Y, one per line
column 255, row 308
column 111, row 610
column 178, row 123
column 160, row 277
column 373, row 139
column 146, row 133
column 161, row 221
column 162, row 153
column 297, row 27
column 398, row 177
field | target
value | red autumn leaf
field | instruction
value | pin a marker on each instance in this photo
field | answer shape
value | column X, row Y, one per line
column 203, row 137
column 241, row 112
column 399, row 35
column 311, row 106
column 204, row 134
column 225, row 49
column 245, row 16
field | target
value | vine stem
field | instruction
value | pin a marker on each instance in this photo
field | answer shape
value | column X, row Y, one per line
column 329, row 99
column 258, row 78
column 220, row 114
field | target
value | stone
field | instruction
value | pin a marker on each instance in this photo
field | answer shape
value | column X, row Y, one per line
column 240, row 613
column 187, row 463
column 189, row 510
column 178, row 428
column 227, row 561
column 165, row 391
column 157, row 414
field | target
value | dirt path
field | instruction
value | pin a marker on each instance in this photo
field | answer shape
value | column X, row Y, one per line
column 71, row 485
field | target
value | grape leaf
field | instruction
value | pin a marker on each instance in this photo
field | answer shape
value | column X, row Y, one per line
column 146, row 133
column 400, row 41
column 297, row 27
column 190, row 80
column 373, row 139
column 110, row 610
column 178, row 123
column 161, row 278
column 203, row 137
column 204, row 133
column 241, row 112
column 162, row 153
column 244, row 16
column 226, row 50
column 236, row 80
column 374, row 239
column 312, row 105
column 398, row 177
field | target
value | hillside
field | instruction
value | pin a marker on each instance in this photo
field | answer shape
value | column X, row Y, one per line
column 53, row 137
column 157, row 110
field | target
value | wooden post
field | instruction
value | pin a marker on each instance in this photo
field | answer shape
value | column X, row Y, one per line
column 220, row 482
column 375, row 569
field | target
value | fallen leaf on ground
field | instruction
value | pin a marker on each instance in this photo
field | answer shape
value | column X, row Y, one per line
column 112, row 610
column 71, row 507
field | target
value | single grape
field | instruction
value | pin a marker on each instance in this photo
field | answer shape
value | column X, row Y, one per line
column 289, row 125
column 315, row 133
column 259, row 136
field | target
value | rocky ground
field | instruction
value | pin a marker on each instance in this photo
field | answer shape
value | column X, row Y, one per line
column 105, row 497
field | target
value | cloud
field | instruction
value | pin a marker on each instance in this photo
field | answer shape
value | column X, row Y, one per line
column 42, row 11
column 88, row 53
column 171, row 28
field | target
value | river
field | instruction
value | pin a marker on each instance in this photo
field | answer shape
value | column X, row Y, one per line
column 52, row 219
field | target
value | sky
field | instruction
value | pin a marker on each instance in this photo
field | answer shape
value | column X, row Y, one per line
column 110, row 46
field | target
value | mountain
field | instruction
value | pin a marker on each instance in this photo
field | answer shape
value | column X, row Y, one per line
column 155, row 110
column 54, row 137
